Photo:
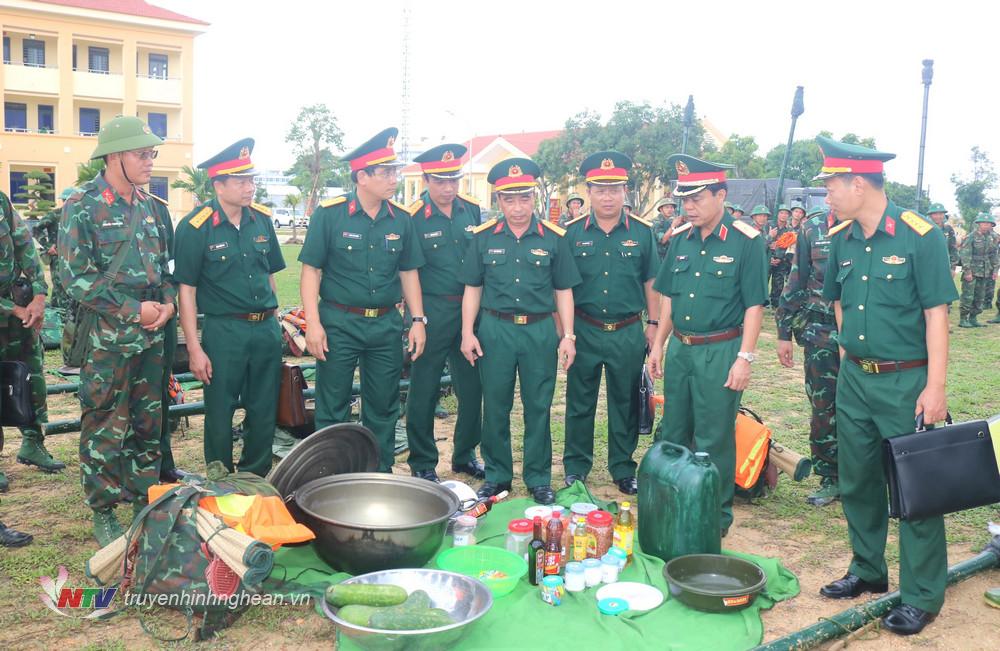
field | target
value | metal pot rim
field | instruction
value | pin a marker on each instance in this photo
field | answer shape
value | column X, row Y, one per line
column 302, row 495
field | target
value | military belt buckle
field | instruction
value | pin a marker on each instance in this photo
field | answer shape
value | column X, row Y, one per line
column 869, row 366
column 371, row 312
column 521, row 319
column 610, row 327
column 686, row 339
column 256, row 316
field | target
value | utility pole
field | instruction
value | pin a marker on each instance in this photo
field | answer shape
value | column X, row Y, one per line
column 927, row 75
column 798, row 108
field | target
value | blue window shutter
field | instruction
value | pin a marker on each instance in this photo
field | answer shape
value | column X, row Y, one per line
column 6, row 49
column 18, row 181
column 158, row 124
column 34, row 53
column 90, row 121
column 46, row 123
column 158, row 66
column 15, row 116
column 158, row 186
column 98, row 59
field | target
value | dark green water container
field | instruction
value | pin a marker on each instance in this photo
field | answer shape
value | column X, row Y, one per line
column 678, row 502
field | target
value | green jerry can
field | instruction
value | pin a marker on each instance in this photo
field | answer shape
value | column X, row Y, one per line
column 678, row 502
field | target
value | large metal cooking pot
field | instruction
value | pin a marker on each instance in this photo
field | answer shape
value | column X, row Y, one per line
column 365, row 522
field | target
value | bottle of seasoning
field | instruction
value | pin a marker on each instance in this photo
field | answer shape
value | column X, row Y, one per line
column 600, row 525
column 536, row 554
column 580, row 539
column 559, row 513
column 482, row 507
column 625, row 529
column 553, row 546
column 464, row 531
column 518, row 537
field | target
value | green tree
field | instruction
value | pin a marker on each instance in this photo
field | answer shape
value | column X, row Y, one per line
column 904, row 195
column 88, row 171
column 974, row 194
column 806, row 158
column 311, row 135
column 261, row 196
column 646, row 133
column 37, row 194
column 196, row 182
column 292, row 202
column 740, row 151
column 337, row 173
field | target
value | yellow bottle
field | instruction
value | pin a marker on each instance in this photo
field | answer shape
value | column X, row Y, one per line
column 624, row 529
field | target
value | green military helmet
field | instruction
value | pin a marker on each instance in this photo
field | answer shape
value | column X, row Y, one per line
column 985, row 218
column 817, row 211
column 573, row 197
column 665, row 201
column 936, row 207
column 760, row 209
column 782, row 206
column 67, row 193
column 124, row 133
column 738, row 208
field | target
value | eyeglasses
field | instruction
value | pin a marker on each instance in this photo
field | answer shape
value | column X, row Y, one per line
column 387, row 172
column 145, row 154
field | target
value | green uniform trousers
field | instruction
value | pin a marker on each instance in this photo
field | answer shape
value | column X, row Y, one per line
column 120, row 401
column 375, row 346
column 169, row 350
column 246, row 363
column 620, row 354
column 872, row 407
column 976, row 295
column 20, row 344
column 699, row 412
column 527, row 353
column 444, row 337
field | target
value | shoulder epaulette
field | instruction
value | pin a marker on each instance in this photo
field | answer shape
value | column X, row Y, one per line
column 642, row 221
column 558, row 230
column 916, row 222
column 398, row 205
column 261, row 208
column 155, row 197
column 839, row 227
column 485, row 225
column 326, row 203
column 745, row 228
column 680, row 229
column 415, row 206
column 469, row 199
column 574, row 220
column 201, row 216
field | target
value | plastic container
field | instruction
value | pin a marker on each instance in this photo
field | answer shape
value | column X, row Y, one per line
column 544, row 512
column 464, row 531
column 497, row 568
column 612, row 606
column 552, row 590
column 609, row 569
column 624, row 528
column 576, row 579
column 518, row 537
column 600, row 530
column 592, row 572
column 619, row 554
column 582, row 508
column 678, row 502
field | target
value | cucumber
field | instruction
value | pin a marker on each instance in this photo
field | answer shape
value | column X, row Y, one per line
column 418, row 600
column 356, row 614
column 365, row 594
column 396, row 619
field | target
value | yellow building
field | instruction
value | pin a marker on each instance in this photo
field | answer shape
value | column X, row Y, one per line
column 70, row 66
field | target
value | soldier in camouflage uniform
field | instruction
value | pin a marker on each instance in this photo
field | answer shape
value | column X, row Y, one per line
column 665, row 221
column 939, row 215
column 574, row 207
column 991, row 285
column 20, row 327
column 804, row 313
column 121, row 379
column 781, row 259
column 45, row 231
column 980, row 261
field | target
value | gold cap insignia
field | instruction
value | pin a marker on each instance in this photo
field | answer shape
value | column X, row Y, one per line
column 391, row 141
column 245, row 153
column 607, row 164
column 448, row 155
column 515, row 170
column 682, row 168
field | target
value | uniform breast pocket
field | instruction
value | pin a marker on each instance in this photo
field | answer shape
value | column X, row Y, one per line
column 219, row 258
column 433, row 244
column 351, row 252
column 493, row 259
column 392, row 246
column 681, row 278
column 891, row 284
column 540, row 266
column 109, row 240
column 720, row 281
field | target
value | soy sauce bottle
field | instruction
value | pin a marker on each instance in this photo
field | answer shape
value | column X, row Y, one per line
column 536, row 554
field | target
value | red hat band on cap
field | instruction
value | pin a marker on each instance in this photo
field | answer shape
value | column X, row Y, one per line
column 702, row 177
column 376, row 157
column 608, row 174
column 852, row 166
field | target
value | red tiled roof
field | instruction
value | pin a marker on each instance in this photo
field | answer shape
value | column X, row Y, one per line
column 129, row 7
column 527, row 142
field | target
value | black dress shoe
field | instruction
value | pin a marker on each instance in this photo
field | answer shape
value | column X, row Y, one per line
column 489, row 489
column 628, row 485
column 905, row 619
column 429, row 475
column 851, row 586
column 172, row 475
column 572, row 479
column 543, row 494
column 13, row 538
column 473, row 468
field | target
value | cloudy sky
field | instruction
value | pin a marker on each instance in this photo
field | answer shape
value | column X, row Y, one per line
column 489, row 67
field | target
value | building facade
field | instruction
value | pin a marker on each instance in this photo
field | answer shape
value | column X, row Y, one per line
column 70, row 66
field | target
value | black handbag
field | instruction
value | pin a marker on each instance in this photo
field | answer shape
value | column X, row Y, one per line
column 15, row 383
column 936, row 471
column 647, row 409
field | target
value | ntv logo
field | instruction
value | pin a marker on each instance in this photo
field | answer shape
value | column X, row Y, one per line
column 56, row 597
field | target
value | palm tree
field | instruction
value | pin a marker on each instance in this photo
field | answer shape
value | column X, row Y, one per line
column 292, row 201
column 197, row 183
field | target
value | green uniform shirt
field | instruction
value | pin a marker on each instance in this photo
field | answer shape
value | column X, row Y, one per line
column 661, row 226
column 17, row 256
column 614, row 266
column 949, row 234
column 803, row 292
column 94, row 224
column 46, row 231
column 884, row 284
column 444, row 241
column 711, row 283
column 519, row 275
column 230, row 267
column 361, row 257
column 979, row 254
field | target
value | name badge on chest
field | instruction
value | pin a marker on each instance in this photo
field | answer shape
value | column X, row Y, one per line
column 219, row 246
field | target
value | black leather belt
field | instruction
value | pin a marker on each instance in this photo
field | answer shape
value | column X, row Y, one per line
column 518, row 319
column 713, row 337
column 607, row 326
column 367, row 312
column 873, row 366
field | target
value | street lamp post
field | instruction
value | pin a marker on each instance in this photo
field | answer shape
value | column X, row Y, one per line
column 798, row 108
column 927, row 75
column 688, row 122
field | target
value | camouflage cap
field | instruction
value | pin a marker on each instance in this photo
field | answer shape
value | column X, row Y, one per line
column 124, row 133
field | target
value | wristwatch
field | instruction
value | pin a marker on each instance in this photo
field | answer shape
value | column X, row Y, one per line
column 419, row 319
column 570, row 336
column 655, row 322
column 749, row 357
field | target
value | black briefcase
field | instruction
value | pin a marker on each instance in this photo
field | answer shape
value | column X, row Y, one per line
column 15, row 383
column 937, row 471
column 647, row 408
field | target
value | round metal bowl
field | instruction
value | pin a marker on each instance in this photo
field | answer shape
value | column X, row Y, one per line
column 373, row 521
column 714, row 583
column 465, row 599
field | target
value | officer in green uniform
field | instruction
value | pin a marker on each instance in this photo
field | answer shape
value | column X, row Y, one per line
column 226, row 256
column 360, row 253
column 443, row 221
column 980, row 260
column 517, row 274
column 19, row 330
column 120, row 382
column 781, row 258
column 713, row 284
column 574, row 207
column 889, row 280
column 939, row 215
column 45, row 232
column 616, row 257
column 804, row 313
column 664, row 223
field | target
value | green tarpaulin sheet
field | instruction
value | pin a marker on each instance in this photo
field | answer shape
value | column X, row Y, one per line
column 521, row 620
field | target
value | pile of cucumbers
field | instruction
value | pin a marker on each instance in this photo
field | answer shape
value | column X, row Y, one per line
column 386, row 607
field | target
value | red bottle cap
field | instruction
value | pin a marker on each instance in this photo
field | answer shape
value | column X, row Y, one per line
column 599, row 518
column 522, row 525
